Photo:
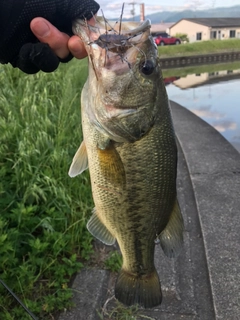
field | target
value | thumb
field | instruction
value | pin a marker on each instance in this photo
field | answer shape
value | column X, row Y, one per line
column 47, row 33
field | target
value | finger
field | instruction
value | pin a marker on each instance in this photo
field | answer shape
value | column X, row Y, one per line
column 47, row 33
column 92, row 21
column 76, row 47
column 75, row 44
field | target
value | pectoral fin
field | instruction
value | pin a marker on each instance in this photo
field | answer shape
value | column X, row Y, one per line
column 99, row 231
column 80, row 161
column 171, row 239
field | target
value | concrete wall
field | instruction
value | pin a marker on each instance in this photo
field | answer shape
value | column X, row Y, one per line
column 192, row 29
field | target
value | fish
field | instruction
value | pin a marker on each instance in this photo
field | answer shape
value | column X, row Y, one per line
column 129, row 147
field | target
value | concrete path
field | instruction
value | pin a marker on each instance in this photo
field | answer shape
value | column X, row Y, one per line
column 204, row 281
column 214, row 168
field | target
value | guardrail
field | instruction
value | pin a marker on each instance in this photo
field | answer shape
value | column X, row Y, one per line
column 184, row 61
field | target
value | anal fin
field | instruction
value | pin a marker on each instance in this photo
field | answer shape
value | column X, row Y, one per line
column 99, row 231
column 79, row 162
column 171, row 238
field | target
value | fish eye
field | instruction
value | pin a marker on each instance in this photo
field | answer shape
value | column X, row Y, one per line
column 147, row 67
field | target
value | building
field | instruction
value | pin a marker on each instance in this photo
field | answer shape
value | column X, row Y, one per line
column 198, row 29
column 160, row 27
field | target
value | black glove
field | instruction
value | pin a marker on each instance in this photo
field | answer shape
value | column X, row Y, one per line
column 20, row 47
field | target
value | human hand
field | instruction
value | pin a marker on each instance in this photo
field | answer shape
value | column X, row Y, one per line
column 61, row 43
column 23, row 48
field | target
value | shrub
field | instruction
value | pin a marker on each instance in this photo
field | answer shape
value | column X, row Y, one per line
column 182, row 36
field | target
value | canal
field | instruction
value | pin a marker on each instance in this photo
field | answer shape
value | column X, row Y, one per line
column 211, row 92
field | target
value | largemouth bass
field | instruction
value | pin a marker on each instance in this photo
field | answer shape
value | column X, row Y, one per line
column 130, row 149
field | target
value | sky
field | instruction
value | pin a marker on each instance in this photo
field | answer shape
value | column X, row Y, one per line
column 112, row 8
column 213, row 103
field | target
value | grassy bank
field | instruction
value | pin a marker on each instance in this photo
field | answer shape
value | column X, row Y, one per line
column 196, row 48
column 183, row 72
column 43, row 239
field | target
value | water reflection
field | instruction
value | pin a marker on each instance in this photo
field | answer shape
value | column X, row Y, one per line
column 200, row 79
column 213, row 96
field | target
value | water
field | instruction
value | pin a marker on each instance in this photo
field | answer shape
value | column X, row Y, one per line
column 213, row 96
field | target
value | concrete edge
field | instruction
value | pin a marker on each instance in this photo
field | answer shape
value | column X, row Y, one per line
column 214, row 168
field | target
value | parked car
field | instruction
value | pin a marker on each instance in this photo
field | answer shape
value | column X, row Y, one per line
column 164, row 38
column 169, row 80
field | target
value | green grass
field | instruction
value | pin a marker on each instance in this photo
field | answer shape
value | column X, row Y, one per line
column 202, row 47
column 114, row 310
column 114, row 261
column 183, row 72
column 43, row 238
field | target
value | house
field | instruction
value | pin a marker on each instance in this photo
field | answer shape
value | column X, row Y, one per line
column 160, row 27
column 198, row 29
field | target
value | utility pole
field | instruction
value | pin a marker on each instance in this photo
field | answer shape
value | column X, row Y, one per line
column 133, row 9
column 142, row 9
column 142, row 12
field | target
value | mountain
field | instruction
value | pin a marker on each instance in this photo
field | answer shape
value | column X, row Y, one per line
column 174, row 16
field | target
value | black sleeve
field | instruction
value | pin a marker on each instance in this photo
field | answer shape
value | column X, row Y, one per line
column 19, row 46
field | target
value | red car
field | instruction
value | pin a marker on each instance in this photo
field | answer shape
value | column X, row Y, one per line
column 170, row 80
column 163, row 39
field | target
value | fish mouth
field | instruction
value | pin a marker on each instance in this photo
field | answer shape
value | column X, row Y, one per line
column 107, row 32
column 113, row 46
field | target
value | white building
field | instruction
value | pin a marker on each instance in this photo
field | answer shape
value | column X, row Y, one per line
column 198, row 29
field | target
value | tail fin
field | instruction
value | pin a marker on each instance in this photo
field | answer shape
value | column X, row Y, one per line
column 144, row 290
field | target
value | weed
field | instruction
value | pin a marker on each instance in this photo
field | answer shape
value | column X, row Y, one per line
column 114, row 261
column 43, row 238
column 114, row 310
